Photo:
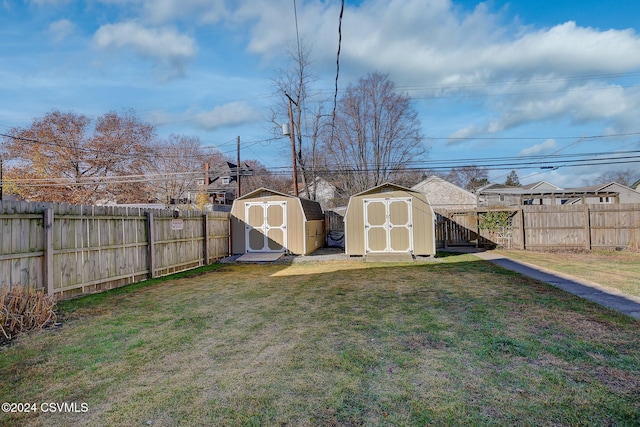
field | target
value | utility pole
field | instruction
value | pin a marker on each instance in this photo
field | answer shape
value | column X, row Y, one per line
column 1, row 180
column 238, row 170
column 293, row 146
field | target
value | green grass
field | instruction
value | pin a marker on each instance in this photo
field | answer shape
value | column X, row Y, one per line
column 619, row 270
column 457, row 342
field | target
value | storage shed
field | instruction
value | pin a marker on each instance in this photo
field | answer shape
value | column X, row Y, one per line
column 389, row 219
column 268, row 221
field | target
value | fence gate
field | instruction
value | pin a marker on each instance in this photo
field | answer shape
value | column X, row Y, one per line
column 456, row 228
column 266, row 229
column 462, row 228
column 388, row 225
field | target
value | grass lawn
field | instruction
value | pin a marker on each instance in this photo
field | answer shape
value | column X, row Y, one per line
column 613, row 269
column 456, row 342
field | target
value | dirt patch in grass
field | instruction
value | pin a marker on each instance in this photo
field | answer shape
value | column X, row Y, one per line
column 618, row 381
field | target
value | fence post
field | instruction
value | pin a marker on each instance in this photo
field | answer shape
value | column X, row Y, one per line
column 48, row 251
column 522, row 230
column 446, row 223
column 205, row 240
column 587, row 227
column 477, row 217
column 151, row 256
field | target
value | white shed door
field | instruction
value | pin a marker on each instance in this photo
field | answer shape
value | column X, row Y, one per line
column 388, row 225
column 266, row 226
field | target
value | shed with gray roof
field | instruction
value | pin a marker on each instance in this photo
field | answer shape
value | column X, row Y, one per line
column 268, row 221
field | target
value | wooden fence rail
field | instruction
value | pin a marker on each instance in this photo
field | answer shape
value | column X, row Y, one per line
column 73, row 249
column 562, row 227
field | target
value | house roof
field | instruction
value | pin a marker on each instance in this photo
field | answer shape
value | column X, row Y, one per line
column 218, row 185
column 541, row 187
column 599, row 187
column 435, row 178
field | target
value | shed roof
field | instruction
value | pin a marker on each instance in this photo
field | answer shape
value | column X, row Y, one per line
column 311, row 208
column 378, row 189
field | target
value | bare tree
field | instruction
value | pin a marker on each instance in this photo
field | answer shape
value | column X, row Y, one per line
column 469, row 177
column 178, row 167
column 57, row 159
column 262, row 177
column 624, row 177
column 376, row 133
column 293, row 85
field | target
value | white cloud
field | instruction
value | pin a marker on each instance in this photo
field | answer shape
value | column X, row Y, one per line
column 589, row 102
column 164, row 46
column 204, row 11
column 542, row 148
column 159, row 118
column 234, row 113
column 49, row 2
column 61, row 29
column 435, row 43
column 164, row 11
column 438, row 48
column 468, row 131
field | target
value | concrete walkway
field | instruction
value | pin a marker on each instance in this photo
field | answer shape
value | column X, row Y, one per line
column 610, row 298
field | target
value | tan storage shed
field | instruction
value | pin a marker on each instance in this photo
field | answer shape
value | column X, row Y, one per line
column 268, row 221
column 390, row 219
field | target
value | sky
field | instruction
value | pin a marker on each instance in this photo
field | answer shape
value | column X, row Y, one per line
column 549, row 88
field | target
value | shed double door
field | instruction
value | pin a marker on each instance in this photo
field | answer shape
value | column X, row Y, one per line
column 388, row 225
column 266, row 226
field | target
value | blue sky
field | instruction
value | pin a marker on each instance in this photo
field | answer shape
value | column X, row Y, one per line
column 494, row 79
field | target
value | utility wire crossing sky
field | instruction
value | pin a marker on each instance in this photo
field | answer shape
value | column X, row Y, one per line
column 549, row 88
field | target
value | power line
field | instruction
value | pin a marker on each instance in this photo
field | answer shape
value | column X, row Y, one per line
column 623, row 158
column 335, row 95
column 533, row 138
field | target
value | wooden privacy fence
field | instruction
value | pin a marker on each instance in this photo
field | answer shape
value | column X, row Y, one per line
column 562, row 227
column 69, row 250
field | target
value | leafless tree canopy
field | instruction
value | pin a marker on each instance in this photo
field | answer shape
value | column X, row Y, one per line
column 625, row 177
column 376, row 133
column 57, row 158
column 469, row 177
column 262, row 177
column 178, row 165
column 308, row 113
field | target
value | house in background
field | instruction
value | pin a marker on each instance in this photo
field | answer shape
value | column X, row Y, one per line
column 327, row 193
column 219, row 183
column 537, row 193
column 544, row 193
column 604, row 193
column 443, row 195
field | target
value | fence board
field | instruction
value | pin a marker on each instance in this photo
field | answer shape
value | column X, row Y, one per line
column 549, row 227
column 97, row 248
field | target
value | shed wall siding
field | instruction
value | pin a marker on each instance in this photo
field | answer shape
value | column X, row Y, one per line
column 423, row 227
column 314, row 235
column 298, row 229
